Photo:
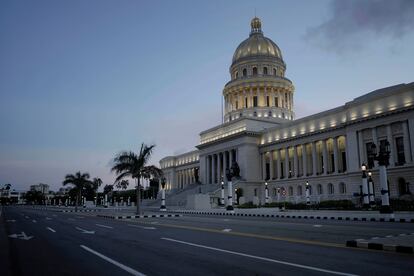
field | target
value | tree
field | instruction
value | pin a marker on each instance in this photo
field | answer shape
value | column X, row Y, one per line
column 123, row 184
column 107, row 189
column 80, row 181
column 129, row 164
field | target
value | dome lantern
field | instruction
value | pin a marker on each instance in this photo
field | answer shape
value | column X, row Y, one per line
column 256, row 25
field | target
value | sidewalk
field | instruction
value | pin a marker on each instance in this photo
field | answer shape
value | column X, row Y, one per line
column 307, row 214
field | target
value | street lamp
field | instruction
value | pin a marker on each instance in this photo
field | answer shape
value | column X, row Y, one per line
column 266, row 193
column 383, row 158
column 365, row 194
column 371, row 191
column 307, row 192
column 229, row 176
column 163, row 208
column 222, row 192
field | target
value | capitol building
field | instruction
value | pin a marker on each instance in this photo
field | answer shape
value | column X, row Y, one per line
column 325, row 150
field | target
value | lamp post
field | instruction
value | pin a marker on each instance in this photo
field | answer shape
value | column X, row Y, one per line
column 383, row 158
column 222, row 192
column 371, row 189
column 365, row 186
column 229, row 176
column 163, row 208
column 106, row 201
column 266, row 193
column 307, row 192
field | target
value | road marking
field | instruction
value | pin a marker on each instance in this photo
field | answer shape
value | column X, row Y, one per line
column 11, row 220
column 34, row 221
column 142, row 227
column 317, row 225
column 104, row 226
column 85, row 231
column 154, row 222
column 122, row 266
column 72, row 219
column 47, row 218
column 80, row 217
column 225, row 219
column 226, row 230
column 21, row 236
column 259, row 258
column 50, row 229
column 55, row 215
column 27, row 217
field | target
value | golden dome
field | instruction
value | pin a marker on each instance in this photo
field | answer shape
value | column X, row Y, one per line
column 256, row 45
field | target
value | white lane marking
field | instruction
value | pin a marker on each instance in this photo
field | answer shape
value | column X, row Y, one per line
column 142, row 227
column 374, row 238
column 11, row 220
column 104, row 226
column 80, row 217
column 85, row 231
column 72, row 219
column 34, row 221
column 317, row 225
column 50, row 229
column 154, row 222
column 55, row 215
column 122, row 266
column 47, row 218
column 225, row 219
column 260, row 258
column 27, row 217
column 389, row 236
column 21, row 236
column 226, row 230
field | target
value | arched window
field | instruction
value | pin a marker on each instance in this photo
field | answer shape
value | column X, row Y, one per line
column 274, row 71
column 299, row 190
column 264, row 70
column 244, row 72
column 291, row 191
column 331, row 189
column 320, row 190
column 342, row 188
column 254, row 71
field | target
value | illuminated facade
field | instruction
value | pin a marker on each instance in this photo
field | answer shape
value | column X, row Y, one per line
column 326, row 149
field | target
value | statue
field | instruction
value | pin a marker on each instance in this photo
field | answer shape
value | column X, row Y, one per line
column 196, row 176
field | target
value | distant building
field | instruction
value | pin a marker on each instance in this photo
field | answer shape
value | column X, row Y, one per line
column 43, row 188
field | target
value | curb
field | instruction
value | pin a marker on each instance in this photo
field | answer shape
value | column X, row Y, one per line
column 298, row 216
column 380, row 246
column 67, row 211
column 142, row 216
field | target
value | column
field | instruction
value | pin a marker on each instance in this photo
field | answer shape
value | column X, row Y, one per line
column 214, row 168
column 392, row 147
column 304, row 160
column 375, row 141
column 361, row 149
column 406, row 142
column 230, row 158
column 324, row 157
column 251, row 96
column 224, row 165
column 210, row 170
column 278, row 172
column 411, row 135
column 295, row 162
column 264, row 165
column 271, row 165
column 314, row 165
column 335, row 153
column 218, row 168
column 287, row 162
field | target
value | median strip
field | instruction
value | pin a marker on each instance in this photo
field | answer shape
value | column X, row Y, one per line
column 140, row 216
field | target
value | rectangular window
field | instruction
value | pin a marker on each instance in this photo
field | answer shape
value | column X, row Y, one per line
column 282, row 171
column 245, row 102
column 399, row 143
column 267, row 171
column 276, row 102
column 255, row 101
column 370, row 160
column 344, row 161
column 267, row 101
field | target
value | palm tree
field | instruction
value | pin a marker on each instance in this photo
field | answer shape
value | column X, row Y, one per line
column 129, row 164
column 123, row 184
column 80, row 181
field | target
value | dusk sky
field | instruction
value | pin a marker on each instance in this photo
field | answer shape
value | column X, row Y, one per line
column 82, row 80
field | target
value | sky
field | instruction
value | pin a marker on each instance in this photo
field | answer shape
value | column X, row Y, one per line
column 82, row 80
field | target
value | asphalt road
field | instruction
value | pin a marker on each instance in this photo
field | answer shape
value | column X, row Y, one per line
column 54, row 243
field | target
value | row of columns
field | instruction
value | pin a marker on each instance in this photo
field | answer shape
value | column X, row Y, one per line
column 272, row 92
column 216, row 165
column 291, row 168
column 185, row 177
column 363, row 158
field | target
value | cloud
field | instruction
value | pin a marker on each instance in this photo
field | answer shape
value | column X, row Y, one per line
column 352, row 21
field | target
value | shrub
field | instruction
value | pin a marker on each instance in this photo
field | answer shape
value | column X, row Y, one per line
column 247, row 205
